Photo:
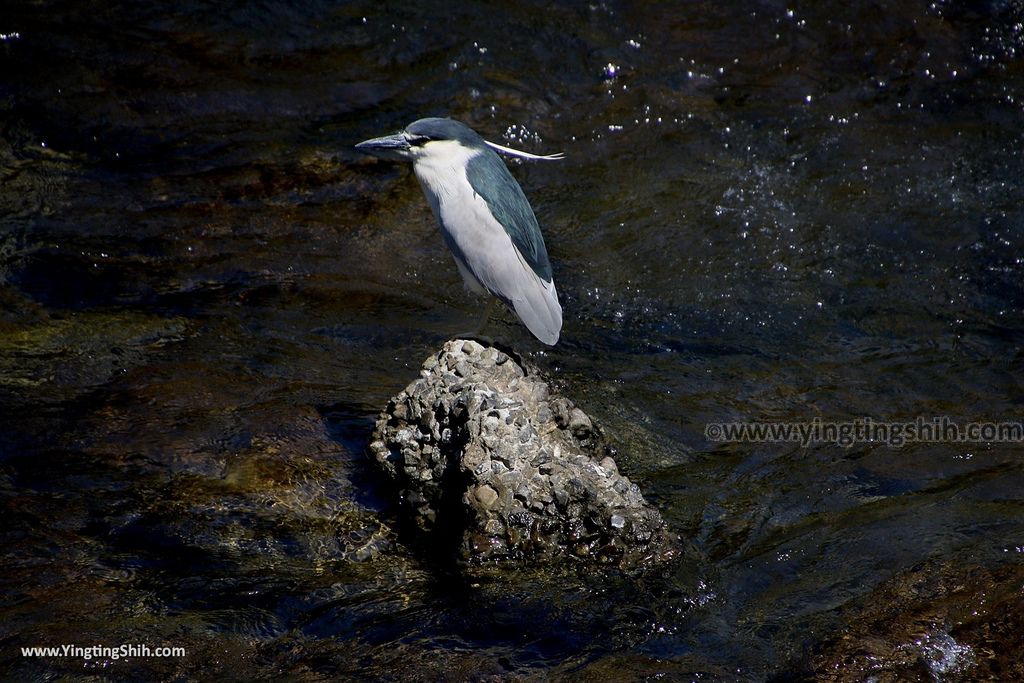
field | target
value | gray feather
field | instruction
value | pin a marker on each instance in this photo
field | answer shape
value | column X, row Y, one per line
column 492, row 180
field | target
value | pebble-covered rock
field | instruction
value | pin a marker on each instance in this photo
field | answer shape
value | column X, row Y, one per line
column 484, row 453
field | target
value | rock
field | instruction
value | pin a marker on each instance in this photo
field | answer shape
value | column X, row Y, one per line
column 486, row 496
column 487, row 456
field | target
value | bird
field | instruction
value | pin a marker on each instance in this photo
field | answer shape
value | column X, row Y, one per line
column 485, row 219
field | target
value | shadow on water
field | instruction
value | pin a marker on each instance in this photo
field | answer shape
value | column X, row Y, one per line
column 766, row 213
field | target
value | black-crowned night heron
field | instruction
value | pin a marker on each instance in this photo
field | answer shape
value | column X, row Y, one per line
column 484, row 216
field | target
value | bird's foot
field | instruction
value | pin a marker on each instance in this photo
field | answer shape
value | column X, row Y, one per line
column 480, row 338
column 493, row 343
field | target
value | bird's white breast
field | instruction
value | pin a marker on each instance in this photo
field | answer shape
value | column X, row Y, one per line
column 465, row 220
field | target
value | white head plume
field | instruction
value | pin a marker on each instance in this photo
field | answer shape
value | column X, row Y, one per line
column 525, row 155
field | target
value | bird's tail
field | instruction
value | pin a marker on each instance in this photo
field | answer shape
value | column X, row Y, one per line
column 538, row 308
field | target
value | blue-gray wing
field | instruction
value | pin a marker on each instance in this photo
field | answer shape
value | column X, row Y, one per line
column 492, row 180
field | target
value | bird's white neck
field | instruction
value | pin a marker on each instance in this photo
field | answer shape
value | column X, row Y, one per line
column 440, row 166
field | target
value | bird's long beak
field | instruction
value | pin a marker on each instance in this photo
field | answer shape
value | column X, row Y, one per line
column 388, row 147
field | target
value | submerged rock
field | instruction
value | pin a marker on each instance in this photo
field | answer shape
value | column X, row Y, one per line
column 941, row 620
column 488, row 459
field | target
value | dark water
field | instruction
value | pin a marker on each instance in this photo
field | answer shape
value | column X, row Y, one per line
column 767, row 211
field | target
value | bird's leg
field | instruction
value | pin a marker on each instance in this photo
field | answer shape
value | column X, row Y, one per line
column 484, row 319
